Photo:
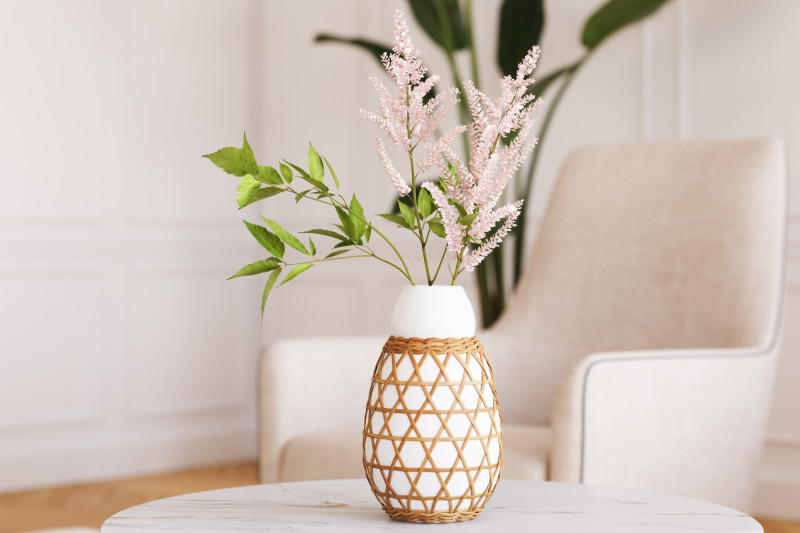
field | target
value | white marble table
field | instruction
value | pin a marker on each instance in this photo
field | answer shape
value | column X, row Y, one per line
column 348, row 505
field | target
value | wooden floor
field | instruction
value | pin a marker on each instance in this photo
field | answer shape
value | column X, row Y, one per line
column 90, row 504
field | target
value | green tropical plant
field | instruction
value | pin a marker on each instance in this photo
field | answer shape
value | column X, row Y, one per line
column 449, row 23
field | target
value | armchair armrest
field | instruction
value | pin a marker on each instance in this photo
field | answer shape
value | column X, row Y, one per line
column 689, row 422
column 311, row 384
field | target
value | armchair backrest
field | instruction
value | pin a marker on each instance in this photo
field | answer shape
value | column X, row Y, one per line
column 646, row 246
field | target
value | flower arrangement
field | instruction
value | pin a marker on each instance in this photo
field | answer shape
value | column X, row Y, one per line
column 459, row 207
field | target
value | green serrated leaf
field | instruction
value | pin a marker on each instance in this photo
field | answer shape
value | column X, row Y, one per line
column 330, row 169
column 247, row 153
column 315, row 167
column 615, row 15
column 397, row 219
column 286, row 172
column 298, row 169
column 438, row 229
column 315, row 183
column 311, row 247
column 285, row 236
column 262, row 193
column 466, row 220
column 268, row 287
column 408, row 214
column 357, row 216
column 257, row 268
column 347, row 225
column 336, row 252
column 232, row 160
column 343, row 244
column 425, row 203
column 296, row 271
column 269, row 176
column 268, row 240
column 327, row 233
column 248, row 186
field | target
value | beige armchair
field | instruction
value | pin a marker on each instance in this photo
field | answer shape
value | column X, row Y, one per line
column 638, row 350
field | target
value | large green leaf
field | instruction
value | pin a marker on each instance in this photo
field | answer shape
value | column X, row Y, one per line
column 408, row 214
column 285, row 236
column 247, row 153
column 429, row 16
column 233, row 161
column 269, row 176
column 296, row 271
column 257, row 268
column 615, row 15
column 521, row 23
column 268, row 287
column 347, row 226
column 286, row 172
column 425, row 203
column 268, row 240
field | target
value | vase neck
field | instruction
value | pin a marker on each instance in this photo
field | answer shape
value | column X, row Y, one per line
column 441, row 311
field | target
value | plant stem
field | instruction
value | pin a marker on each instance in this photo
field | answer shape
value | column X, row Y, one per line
column 519, row 242
column 417, row 215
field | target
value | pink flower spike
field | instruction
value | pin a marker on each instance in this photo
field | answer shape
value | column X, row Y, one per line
column 397, row 180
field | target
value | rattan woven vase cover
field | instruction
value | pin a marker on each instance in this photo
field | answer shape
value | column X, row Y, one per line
column 432, row 430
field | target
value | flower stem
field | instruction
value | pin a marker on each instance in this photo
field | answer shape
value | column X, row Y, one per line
column 417, row 215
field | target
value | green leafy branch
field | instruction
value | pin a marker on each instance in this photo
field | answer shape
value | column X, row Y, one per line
column 352, row 233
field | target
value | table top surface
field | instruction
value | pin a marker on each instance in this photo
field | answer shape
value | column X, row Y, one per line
column 348, row 505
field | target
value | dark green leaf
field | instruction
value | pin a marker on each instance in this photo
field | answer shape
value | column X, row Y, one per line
column 521, row 23
column 285, row 236
column 408, row 214
column 248, row 186
column 286, row 172
column 296, row 271
column 330, row 169
column 336, row 252
column 428, row 14
column 262, row 193
column 358, row 218
column 327, row 233
column 615, row 15
column 232, row 160
column 438, row 229
column 269, row 176
column 268, row 287
column 397, row 219
column 268, row 240
column 425, row 203
column 300, row 170
column 257, row 268
column 343, row 243
column 315, row 167
column 375, row 49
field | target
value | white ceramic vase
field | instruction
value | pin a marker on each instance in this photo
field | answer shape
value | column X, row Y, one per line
column 433, row 431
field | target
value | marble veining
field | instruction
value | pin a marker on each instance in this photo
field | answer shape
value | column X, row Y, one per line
column 348, row 505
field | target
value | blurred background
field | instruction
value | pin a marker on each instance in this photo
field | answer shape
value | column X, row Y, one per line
column 124, row 351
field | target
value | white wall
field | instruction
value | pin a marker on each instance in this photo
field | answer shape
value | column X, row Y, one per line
column 122, row 348
column 125, row 349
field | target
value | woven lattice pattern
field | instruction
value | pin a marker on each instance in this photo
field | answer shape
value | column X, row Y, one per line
column 432, row 430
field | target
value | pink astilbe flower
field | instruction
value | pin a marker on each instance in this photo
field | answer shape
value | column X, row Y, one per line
column 397, row 180
column 405, row 117
column 473, row 258
column 453, row 230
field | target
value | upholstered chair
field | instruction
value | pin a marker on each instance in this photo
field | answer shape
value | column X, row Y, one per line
column 637, row 351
